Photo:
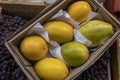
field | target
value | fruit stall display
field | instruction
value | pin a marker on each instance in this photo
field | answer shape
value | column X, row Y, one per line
column 72, row 54
column 12, row 17
column 11, row 70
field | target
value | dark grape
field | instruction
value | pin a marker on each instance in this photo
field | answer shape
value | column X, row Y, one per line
column 98, row 71
column 9, row 69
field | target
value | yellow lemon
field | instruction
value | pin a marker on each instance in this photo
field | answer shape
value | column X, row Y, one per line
column 51, row 69
column 59, row 31
column 79, row 11
column 34, row 47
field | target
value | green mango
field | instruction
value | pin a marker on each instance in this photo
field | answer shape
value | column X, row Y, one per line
column 97, row 32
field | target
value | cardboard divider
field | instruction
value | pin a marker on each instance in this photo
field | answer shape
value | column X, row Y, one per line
column 13, row 42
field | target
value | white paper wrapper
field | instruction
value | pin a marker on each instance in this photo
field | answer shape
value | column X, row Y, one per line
column 92, row 15
column 55, row 50
column 80, row 38
column 38, row 30
column 64, row 16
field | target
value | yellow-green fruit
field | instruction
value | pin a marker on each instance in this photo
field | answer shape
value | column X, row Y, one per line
column 96, row 31
column 74, row 53
column 51, row 69
column 59, row 31
column 34, row 47
column 79, row 11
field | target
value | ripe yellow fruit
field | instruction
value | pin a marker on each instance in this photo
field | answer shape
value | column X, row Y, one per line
column 59, row 31
column 79, row 11
column 34, row 47
column 51, row 69
column 97, row 32
column 74, row 53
